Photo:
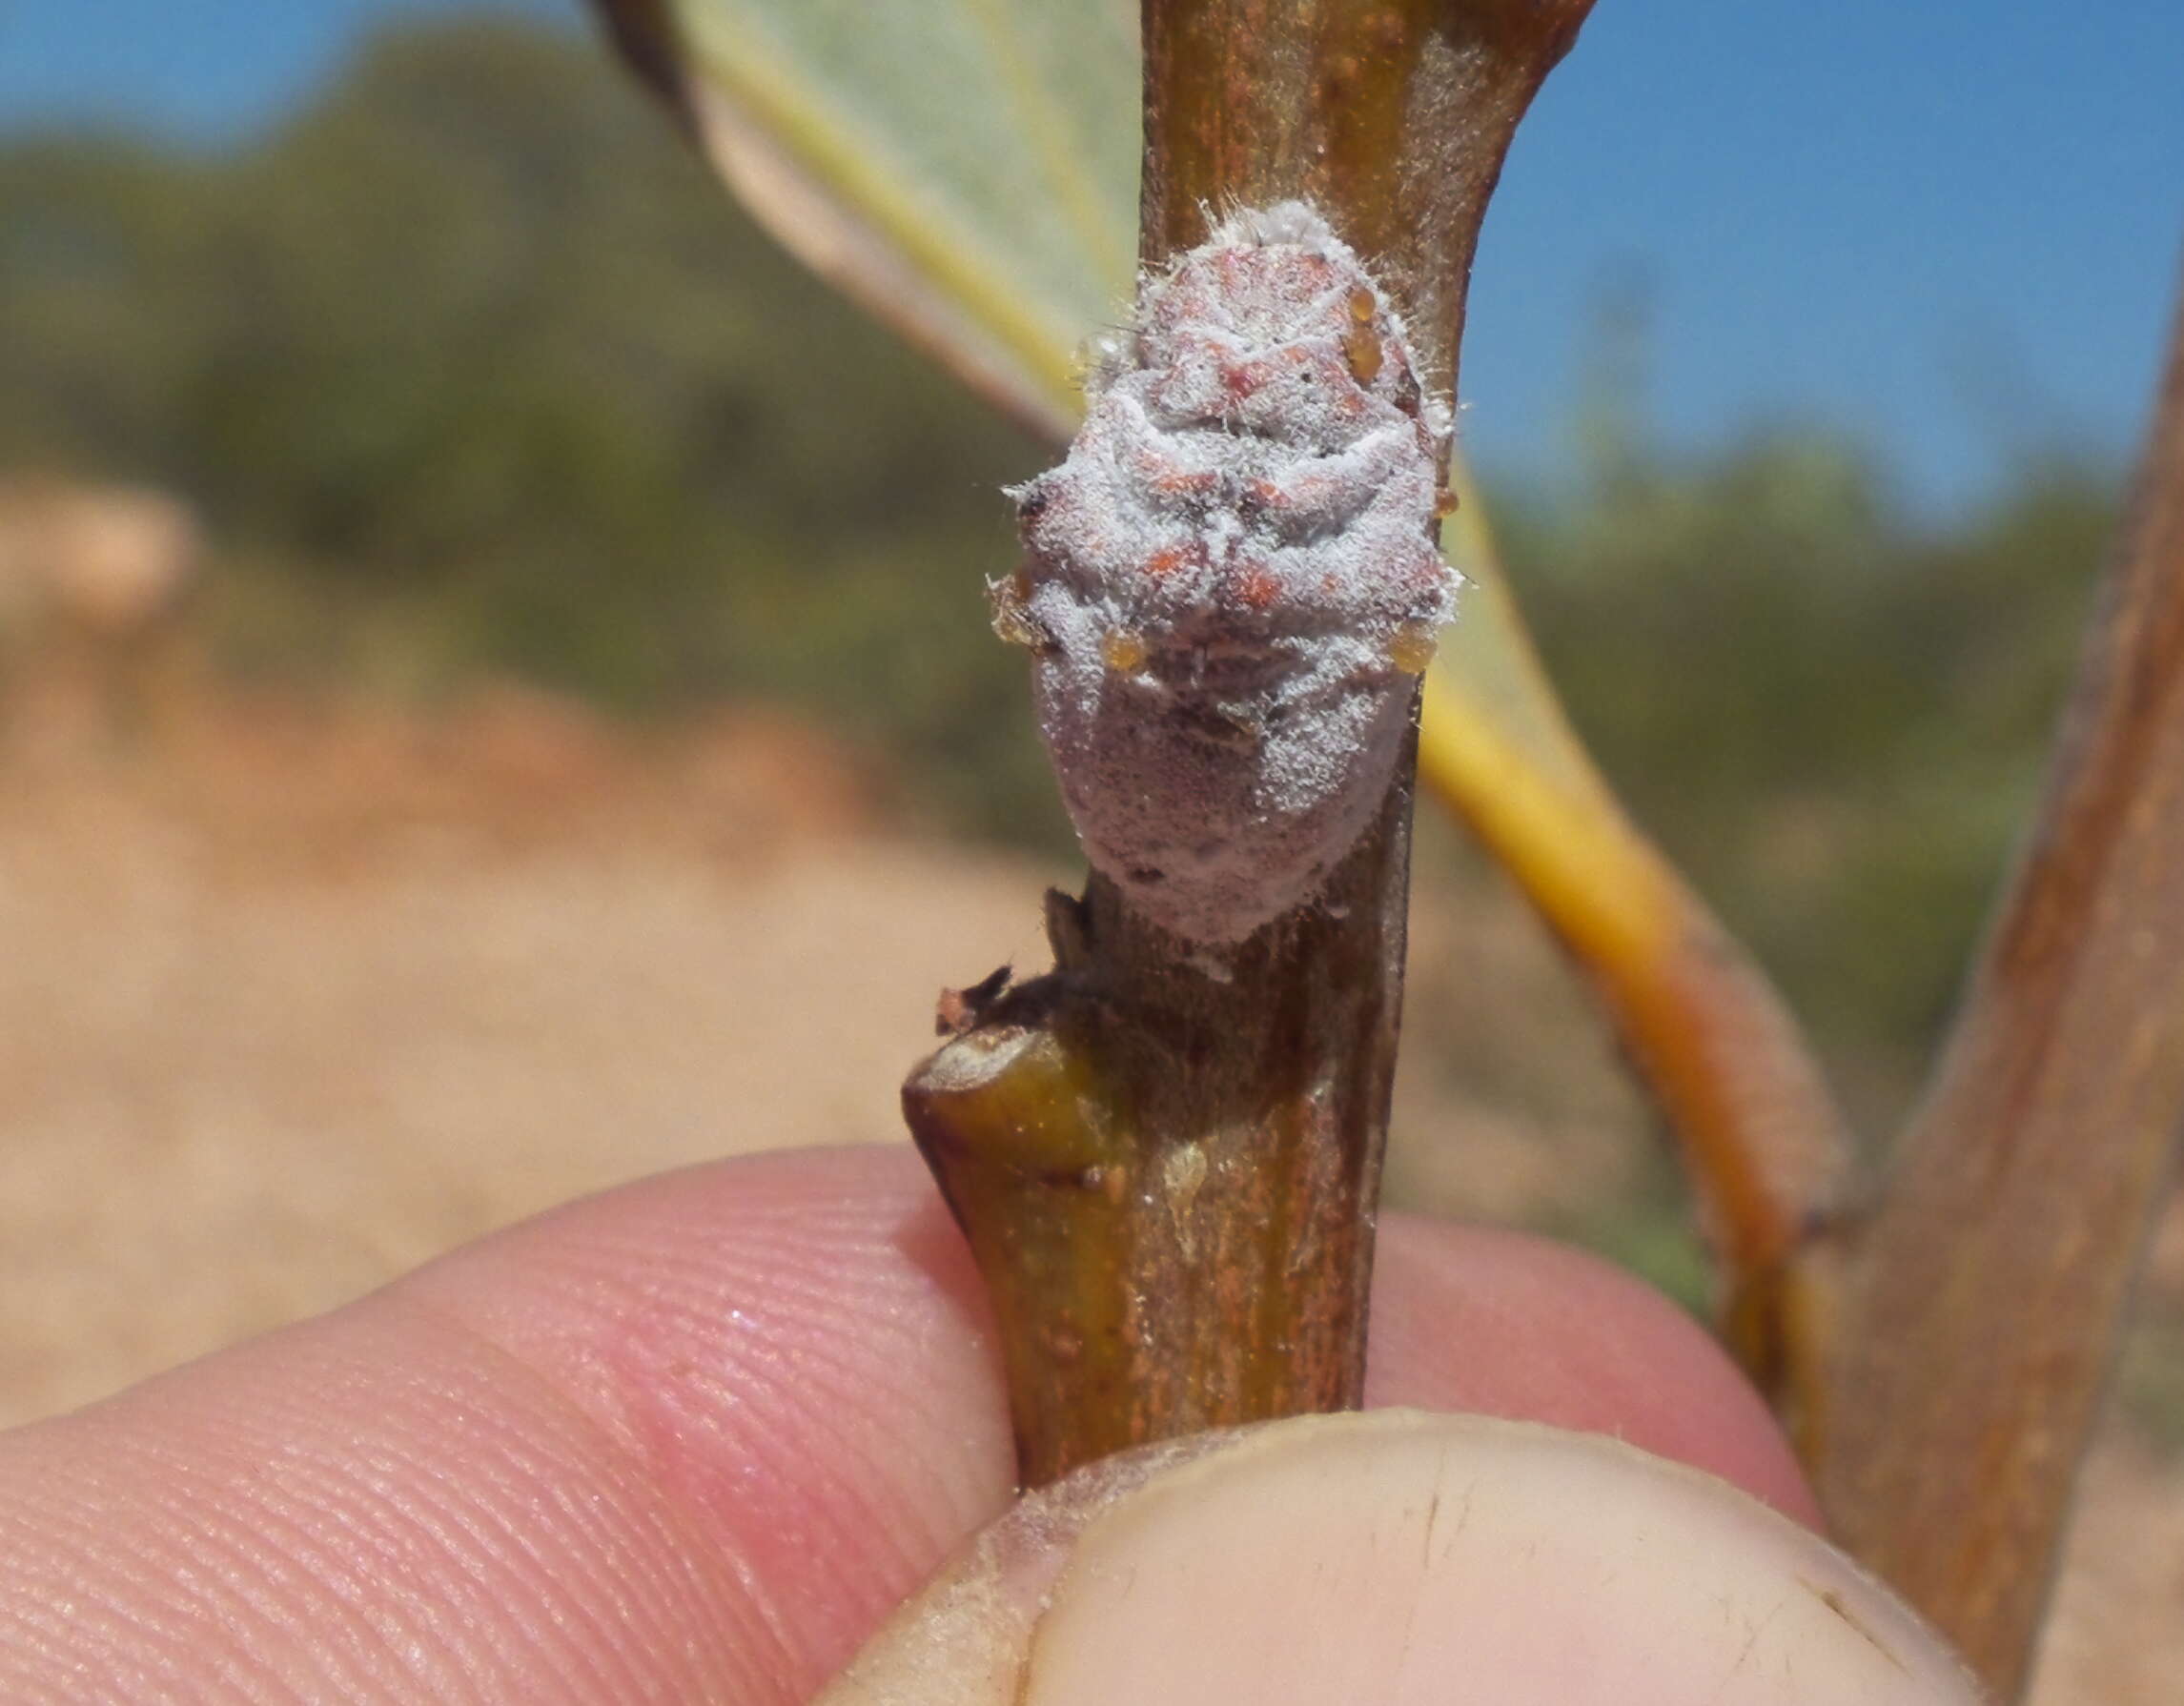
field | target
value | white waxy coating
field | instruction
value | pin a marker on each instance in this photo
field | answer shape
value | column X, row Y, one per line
column 1231, row 582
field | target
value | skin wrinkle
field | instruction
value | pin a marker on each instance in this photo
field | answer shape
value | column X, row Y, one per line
column 390, row 1521
column 456, row 1529
column 690, row 1469
column 259, row 1586
column 347, row 1518
column 779, row 1440
column 642, row 1327
column 679, row 1536
column 147, row 1571
column 329, row 1489
column 73, row 1620
column 140, row 1559
column 620, row 1575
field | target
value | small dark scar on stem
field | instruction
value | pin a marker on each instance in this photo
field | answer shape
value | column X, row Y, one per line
column 959, row 1011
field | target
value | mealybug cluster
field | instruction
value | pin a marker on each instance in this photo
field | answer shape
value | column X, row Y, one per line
column 1231, row 582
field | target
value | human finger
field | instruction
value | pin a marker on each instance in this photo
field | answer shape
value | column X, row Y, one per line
column 687, row 1440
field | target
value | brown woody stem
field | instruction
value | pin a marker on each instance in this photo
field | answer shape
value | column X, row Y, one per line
column 1988, row 1291
column 1393, row 117
column 1167, row 1178
column 1168, row 1173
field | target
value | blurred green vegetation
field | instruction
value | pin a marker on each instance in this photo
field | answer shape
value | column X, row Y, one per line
column 1834, row 720
column 474, row 368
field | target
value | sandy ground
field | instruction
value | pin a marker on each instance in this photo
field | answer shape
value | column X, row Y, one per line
column 301, row 1004
column 289, row 1002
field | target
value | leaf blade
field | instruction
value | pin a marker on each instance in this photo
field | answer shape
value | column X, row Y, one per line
column 884, row 144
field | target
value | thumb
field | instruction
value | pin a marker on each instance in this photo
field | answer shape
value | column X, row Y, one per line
column 1403, row 1558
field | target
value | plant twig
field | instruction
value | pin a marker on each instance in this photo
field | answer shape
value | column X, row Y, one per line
column 1393, row 117
column 1167, row 1178
column 1167, row 1169
column 1988, row 1293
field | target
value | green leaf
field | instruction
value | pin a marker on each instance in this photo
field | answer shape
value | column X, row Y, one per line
column 968, row 169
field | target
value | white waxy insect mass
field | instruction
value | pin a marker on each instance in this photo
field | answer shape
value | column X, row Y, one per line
column 1232, row 582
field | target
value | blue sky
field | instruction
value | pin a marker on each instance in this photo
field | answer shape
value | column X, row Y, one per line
column 1950, row 229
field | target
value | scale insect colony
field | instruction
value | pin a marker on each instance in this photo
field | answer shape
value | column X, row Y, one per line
column 1232, row 582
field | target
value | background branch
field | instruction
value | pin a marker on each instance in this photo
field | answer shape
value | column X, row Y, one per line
column 1987, row 1293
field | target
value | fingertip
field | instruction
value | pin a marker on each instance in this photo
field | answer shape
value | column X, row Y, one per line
column 1404, row 1557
